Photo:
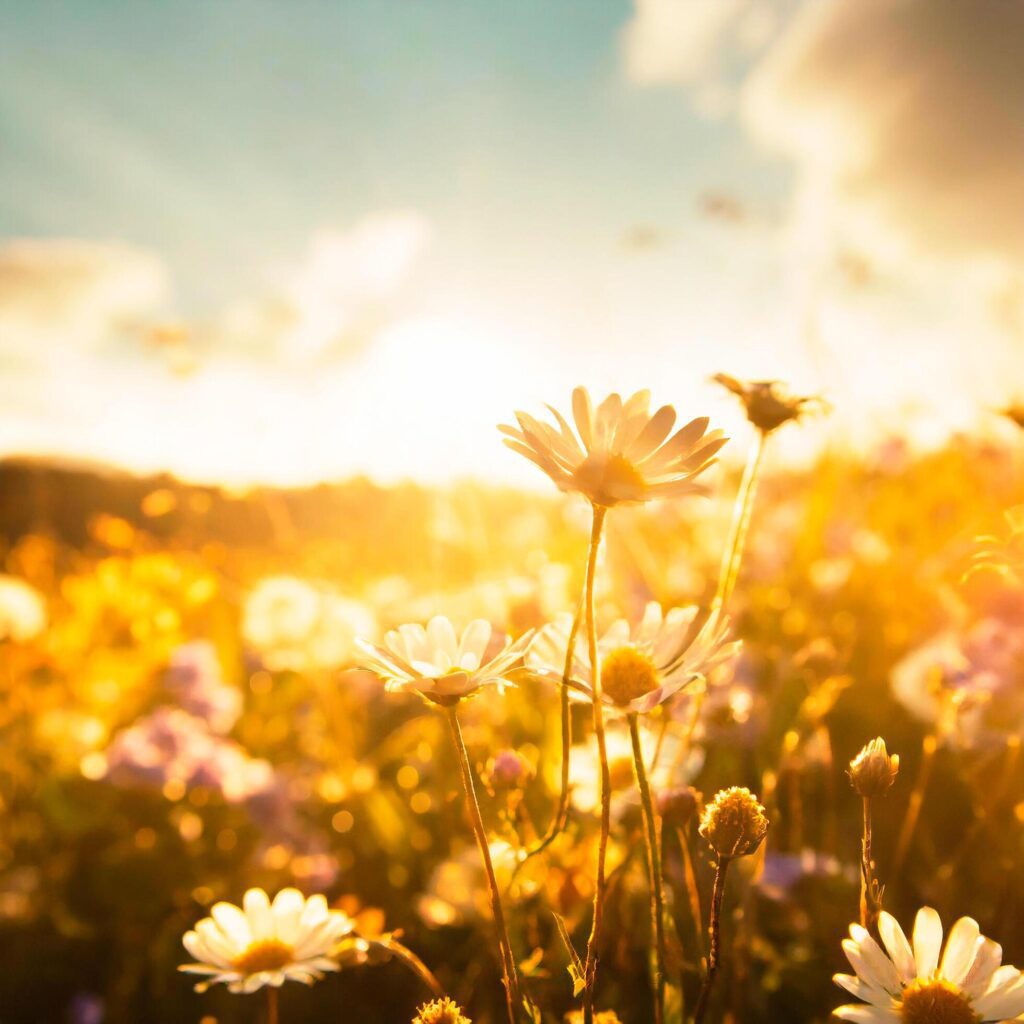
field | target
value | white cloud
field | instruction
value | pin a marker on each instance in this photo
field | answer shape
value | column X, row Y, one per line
column 676, row 41
column 68, row 293
column 346, row 288
column 904, row 120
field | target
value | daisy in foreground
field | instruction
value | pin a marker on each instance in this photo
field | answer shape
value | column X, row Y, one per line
column 911, row 986
column 641, row 666
column 266, row 943
column 439, row 665
column 620, row 453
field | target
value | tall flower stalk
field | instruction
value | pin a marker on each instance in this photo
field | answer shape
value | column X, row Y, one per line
column 653, row 869
column 600, row 882
column 619, row 454
column 734, row 825
column 872, row 773
column 732, row 558
column 509, row 972
column 445, row 669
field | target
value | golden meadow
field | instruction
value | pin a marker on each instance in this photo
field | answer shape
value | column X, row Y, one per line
column 659, row 744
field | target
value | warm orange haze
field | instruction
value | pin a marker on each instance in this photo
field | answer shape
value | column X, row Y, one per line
column 512, row 514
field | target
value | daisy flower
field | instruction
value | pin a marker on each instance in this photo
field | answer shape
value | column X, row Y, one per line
column 266, row 943
column 642, row 666
column 439, row 665
column 907, row 984
column 619, row 453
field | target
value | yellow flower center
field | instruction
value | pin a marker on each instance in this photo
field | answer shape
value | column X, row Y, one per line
column 626, row 674
column 266, row 955
column 608, row 479
column 935, row 1002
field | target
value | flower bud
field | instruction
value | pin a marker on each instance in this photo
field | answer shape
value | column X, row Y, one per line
column 734, row 823
column 874, row 770
column 506, row 772
column 441, row 1011
column 678, row 806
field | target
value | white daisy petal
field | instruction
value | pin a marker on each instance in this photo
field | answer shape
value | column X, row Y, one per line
column 882, row 973
column 233, row 923
column 927, row 941
column 858, row 988
column 866, row 1014
column 1003, row 1003
column 898, row 947
column 287, row 908
column 961, row 947
column 257, row 910
column 987, row 958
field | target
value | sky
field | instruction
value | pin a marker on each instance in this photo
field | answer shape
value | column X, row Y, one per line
column 291, row 241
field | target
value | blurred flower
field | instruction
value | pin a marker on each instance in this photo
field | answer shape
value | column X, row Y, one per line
column 677, row 806
column 621, row 455
column 86, row 1008
column 767, row 403
column 507, row 771
column 441, row 1011
column 641, row 667
column 295, row 625
column 601, row 1017
column 784, row 872
column 734, row 823
column 908, row 985
column 437, row 664
column 266, row 943
column 457, row 891
column 965, row 683
column 172, row 745
column 194, row 676
column 22, row 610
column 873, row 771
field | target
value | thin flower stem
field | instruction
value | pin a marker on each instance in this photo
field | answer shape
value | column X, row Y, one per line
column 407, row 957
column 272, row 1005
column 561, row 817
column 714, row 931
column 590, row 964
column 868, row 903
column 508, row 963
column 924, row 771
column 653, row 869
column 742, row 509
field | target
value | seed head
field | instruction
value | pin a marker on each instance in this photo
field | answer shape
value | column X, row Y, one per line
column 441, row 1011
column 767, row 403
column 734, row 823
column 874, row 770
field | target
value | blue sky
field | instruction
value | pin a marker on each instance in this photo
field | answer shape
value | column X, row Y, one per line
column 303, row 220
column 219, row 132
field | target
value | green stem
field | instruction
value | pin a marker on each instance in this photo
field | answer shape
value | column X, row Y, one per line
column 714, row 931
column 742, row 509
column 868, row 909
column 272, row 1014
column 653, row 869
column 600, row 882
column 561, row 817
column 508, row 963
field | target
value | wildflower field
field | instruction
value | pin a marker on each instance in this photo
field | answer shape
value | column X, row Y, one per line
column 511, row 511
column 214, row 700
